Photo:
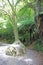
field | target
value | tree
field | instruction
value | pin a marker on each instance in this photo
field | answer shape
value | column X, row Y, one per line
column 8, row 7
column 11, row 15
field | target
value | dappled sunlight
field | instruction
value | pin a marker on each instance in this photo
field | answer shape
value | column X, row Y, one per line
column 3, row 23
column 4, row 26
column 28, row 59
column 18, row 24
column 0, row 28
column 2, row 20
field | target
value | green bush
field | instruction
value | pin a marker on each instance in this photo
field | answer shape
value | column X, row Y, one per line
column 6, row 32
column 38, row 45
column 8, row 35
column 24, row 33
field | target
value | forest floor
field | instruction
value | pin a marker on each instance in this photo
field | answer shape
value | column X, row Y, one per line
column 30, row 58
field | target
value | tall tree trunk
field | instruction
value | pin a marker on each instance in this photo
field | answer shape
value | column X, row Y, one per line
column 35, row 13
column 39, row 10
column 15, row 30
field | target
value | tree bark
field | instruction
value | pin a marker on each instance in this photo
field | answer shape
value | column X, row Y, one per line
column 15, row 30
column 39, row 10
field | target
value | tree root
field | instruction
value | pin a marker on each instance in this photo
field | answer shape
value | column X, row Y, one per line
column 16, row 49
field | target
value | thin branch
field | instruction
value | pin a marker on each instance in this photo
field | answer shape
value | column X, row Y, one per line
column 30, row 5
column 13, row 2
column 6, row 13
column 9, row 3
column 12, row 7
column 17, row 2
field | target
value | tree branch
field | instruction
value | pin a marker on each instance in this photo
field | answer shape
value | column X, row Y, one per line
column 6, row 13
column 9, row 3
column 12, row 7
column 30, row 5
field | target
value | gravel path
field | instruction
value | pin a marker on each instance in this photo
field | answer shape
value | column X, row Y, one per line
column 30, row 58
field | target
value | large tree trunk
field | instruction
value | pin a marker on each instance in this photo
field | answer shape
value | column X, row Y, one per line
column 39, row 10
column 15, row 30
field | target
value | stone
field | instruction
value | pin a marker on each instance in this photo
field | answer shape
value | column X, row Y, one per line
column 15, row 49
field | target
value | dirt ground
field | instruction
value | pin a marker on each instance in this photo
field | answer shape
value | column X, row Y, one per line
column 30, row 58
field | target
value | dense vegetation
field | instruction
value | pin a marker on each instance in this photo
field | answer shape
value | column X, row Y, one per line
column 28, row 31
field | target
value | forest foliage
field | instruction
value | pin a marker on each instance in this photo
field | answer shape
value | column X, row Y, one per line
column 26, row 14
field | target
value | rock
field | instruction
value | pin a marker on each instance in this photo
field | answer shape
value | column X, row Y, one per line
column 15, row 49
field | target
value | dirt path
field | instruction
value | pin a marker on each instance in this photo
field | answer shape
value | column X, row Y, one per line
column 30, row 58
